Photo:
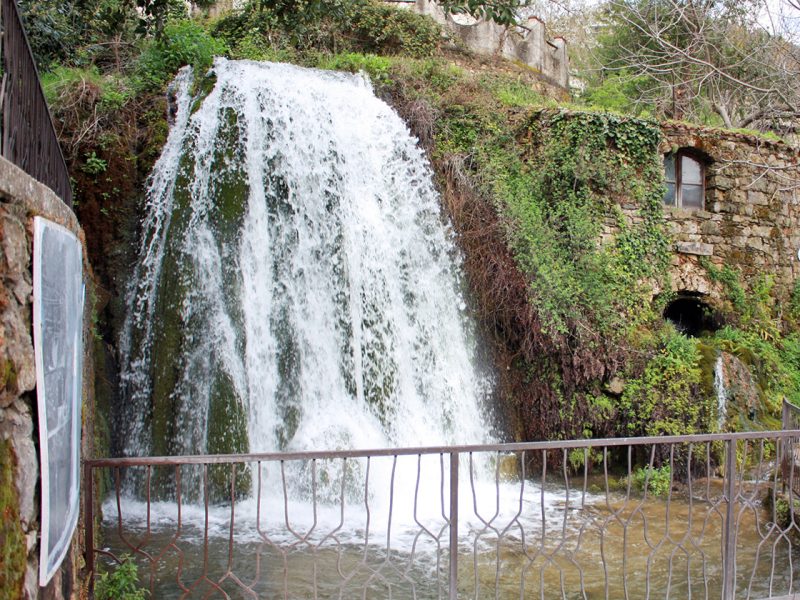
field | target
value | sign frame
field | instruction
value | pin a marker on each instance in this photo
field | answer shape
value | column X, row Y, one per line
column 53, row 552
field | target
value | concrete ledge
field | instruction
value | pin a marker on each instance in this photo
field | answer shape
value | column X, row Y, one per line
column 19, row 188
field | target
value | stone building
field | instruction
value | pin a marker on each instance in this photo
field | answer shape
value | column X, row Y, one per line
column 733, row 199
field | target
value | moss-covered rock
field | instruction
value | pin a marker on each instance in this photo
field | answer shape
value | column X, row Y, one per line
column 13, row 546
column 227, row 434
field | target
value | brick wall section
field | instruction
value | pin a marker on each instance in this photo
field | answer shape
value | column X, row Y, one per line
column 21, row 199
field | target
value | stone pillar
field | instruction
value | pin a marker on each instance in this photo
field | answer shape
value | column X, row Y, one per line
column 560, row 61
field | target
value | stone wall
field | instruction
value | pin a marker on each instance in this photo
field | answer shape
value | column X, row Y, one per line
column 751, row 217
column 527, row 43
column 21, row 199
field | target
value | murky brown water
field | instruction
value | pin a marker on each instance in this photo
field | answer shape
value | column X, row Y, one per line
column 604, row 547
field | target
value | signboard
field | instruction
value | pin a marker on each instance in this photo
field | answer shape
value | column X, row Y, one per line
column 58, row 343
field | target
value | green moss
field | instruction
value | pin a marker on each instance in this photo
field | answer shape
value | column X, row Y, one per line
column 8, row 375
column 707, row 364
column 203, row 86
column 13, row 546
column 104, row 394
column 377, row 67
column 227, row 434
column 169, row 329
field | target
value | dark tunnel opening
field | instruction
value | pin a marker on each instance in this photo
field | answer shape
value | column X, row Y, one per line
column 691, row 316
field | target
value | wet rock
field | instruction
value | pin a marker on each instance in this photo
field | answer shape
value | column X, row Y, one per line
column 616, row 386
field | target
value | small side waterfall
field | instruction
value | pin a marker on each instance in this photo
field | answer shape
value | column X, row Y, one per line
column 297, row 287
column 722, row 392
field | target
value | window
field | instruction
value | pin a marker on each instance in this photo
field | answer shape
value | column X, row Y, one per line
column 685, row 179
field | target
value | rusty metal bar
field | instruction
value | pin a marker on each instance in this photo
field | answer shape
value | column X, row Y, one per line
column 218, row 459
column 729, row 556
column 88, row 522
column 29, row 138
column 454, row 460
column 525, row 534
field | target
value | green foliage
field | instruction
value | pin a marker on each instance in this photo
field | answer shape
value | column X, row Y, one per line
column 654, row 481
column 120, row 584
column 781, row 512
column 615, row 93
column 557, row 200
column 666, row 399
column 377, row 67
column 182, row 43
column 577, row 458
column 64, row 79
column 362, row 26
column 75, row 32
column 516, row 93
column 93, row 164
column 51, row 31
column 775, row 365
column 387, row 30
column 754, row 303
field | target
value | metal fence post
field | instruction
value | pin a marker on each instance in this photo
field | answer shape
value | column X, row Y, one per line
column 88, row 524
column 729, row 556
column 786, row 415
column 454, row 525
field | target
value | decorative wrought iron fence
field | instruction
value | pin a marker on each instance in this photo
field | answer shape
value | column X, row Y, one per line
column 790, row 460
column 29, row 139
column 669, row 517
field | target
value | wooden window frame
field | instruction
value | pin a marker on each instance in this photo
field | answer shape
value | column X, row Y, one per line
column 700, row 160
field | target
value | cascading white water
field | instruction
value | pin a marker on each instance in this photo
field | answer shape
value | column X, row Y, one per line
column 722, row 392
column 294, row 230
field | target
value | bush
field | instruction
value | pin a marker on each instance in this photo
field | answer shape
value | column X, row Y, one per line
column 62, row 82
column 183, row 43
column 655, row 481
column 120, row 584
column 377, row 67
column 387, row 30
column 362, row 26
column 74, row 32
column 664, row 399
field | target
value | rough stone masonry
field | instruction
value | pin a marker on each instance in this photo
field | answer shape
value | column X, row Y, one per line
column 751, row 214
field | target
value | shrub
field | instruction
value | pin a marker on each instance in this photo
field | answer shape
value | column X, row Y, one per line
column 664, row 399
column 183, row 43
column 655, row 481
column 387, row 30
column 120, row 584
column 363, row 26
column 377, row 67
column 60, row 85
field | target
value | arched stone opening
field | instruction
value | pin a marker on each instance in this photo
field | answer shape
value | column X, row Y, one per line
column 691, row 315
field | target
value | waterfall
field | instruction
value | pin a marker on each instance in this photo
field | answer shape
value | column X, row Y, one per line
column 722, row 392
column 297, row 286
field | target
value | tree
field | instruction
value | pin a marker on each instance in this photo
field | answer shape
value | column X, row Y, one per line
column 705, row 59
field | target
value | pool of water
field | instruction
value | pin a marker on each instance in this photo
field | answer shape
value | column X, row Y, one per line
column 514, row 542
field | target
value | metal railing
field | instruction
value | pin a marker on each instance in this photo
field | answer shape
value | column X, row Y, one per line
column 29, row 138
column 535, row 520
column 790, row 460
